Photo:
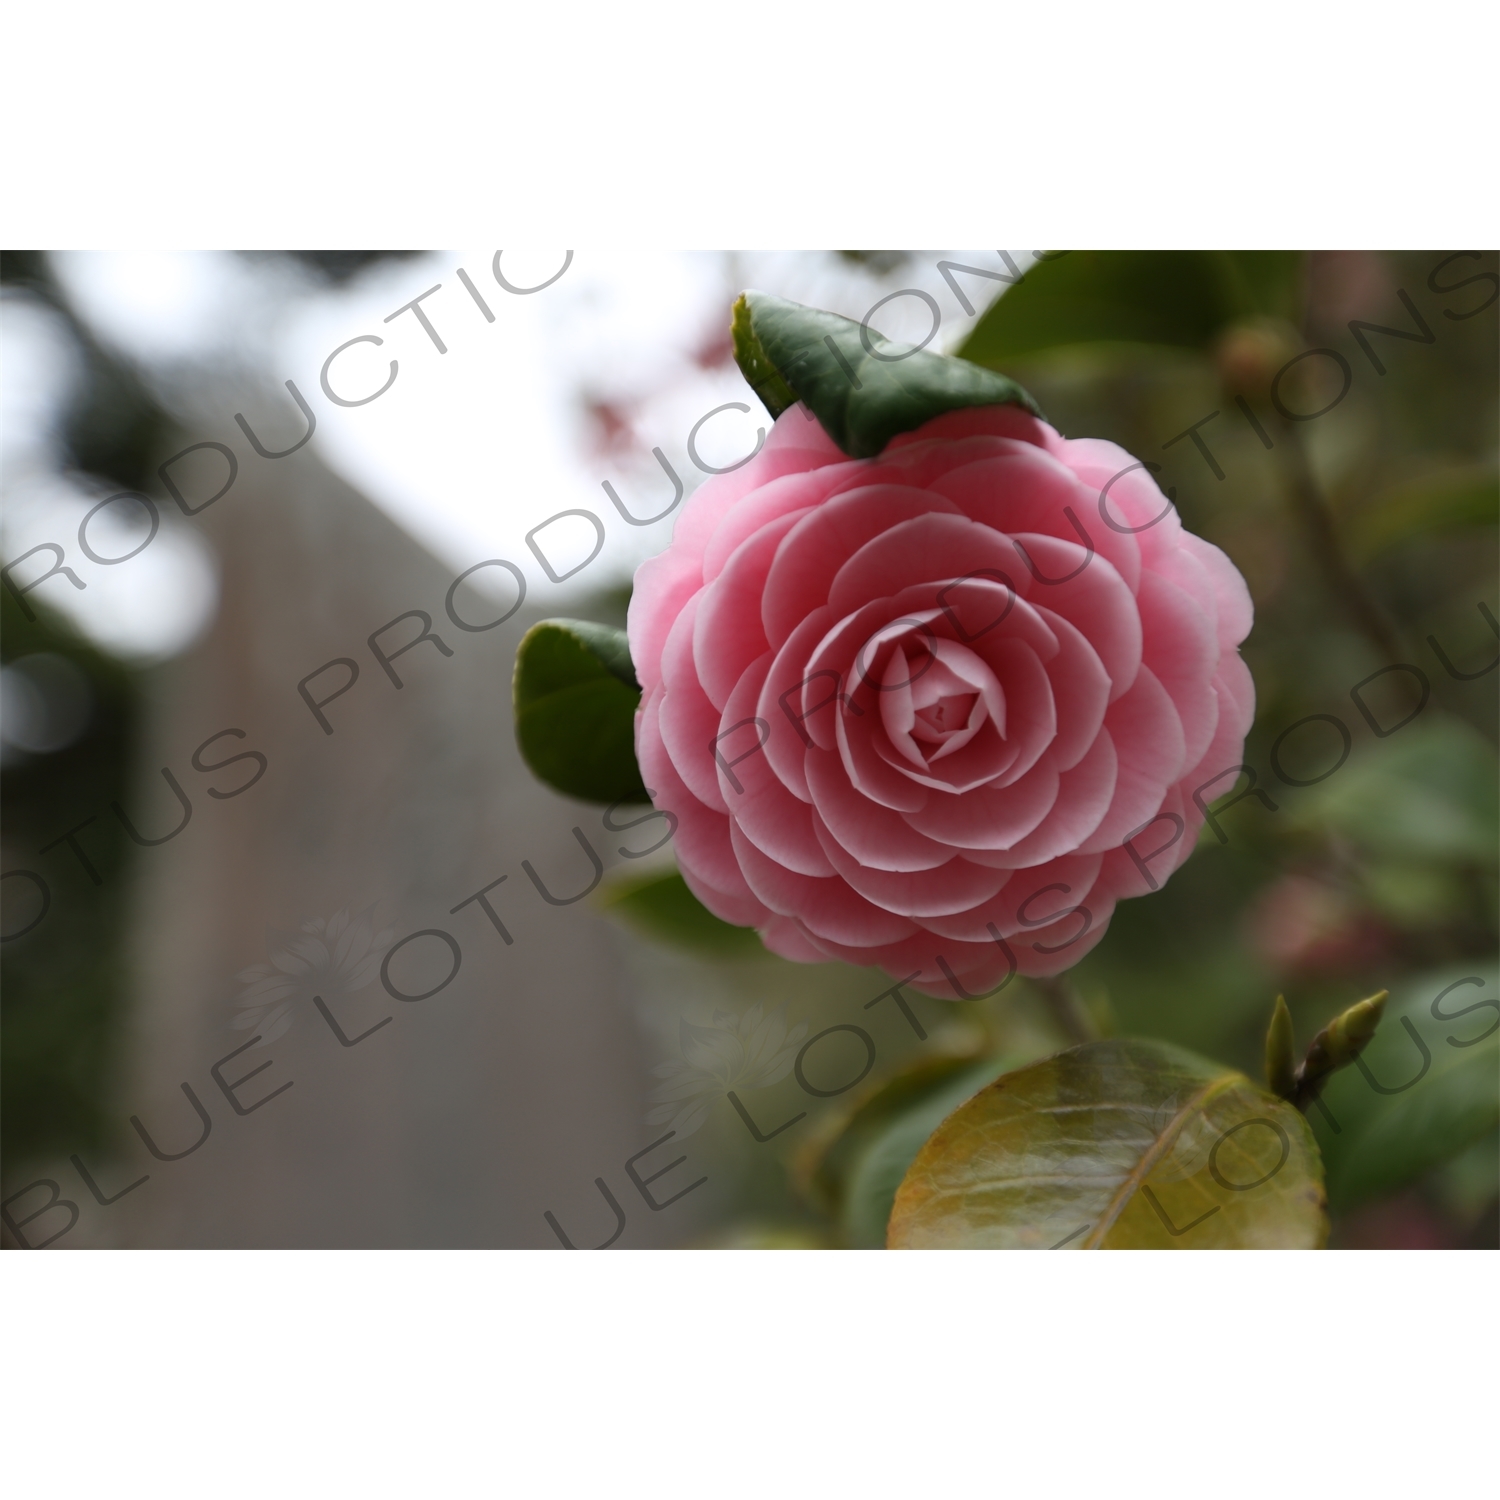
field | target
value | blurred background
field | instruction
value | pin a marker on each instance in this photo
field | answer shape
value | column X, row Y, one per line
column 195, row 864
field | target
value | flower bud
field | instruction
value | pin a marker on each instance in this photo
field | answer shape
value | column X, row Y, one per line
column 1338, row 1044
column 1281, row 1057
column 1249, row 354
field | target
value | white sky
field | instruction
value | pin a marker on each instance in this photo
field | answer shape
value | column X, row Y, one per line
column 468, row 450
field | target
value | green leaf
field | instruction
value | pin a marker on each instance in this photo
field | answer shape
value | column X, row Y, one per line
column 575, row 696
column 1447, row 1095
column 830, row 1152
column 889, row 1150
column 863, row 394
column 1121, row 1144
column 662, row 907
column 1180, row 298
column 755, row 365
column 1429, row 792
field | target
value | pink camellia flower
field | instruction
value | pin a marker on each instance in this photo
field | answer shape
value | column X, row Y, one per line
column 941, row 709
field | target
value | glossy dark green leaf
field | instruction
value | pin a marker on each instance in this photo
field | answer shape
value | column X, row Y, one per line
column 662, row 907
column 755, row 365
column 575, row 700
column 1121, row 1144
column 1180, row 298
column 1443, row 1083
column 863, row 389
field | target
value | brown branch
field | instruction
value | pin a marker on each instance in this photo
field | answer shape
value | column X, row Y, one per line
column 1312, row 507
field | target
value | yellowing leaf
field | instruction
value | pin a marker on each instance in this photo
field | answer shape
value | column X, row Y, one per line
column 1121, row 1144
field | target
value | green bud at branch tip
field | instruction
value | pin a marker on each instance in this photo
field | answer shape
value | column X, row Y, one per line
column 1281, row 1055
column 1337, row 1045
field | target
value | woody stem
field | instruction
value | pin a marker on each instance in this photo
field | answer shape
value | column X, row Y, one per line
column 1312, row 507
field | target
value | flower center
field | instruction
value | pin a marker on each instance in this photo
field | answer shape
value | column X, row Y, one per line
column 935, row 697
column 940, row 719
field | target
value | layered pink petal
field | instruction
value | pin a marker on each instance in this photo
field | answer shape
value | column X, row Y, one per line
column 955, row 885
column 689, row 722
column 728, row 635
column 1096, row 601
column 738, row 910
column 701, row 839
column 1029, row 900
column 787, row 938
column 811, row 554
column 990, row 818
column 827, row 908
column 1148, row 742
column 663, row 586
column 937, row 547
column 792, row 492
column 1084, row 795
column 1080, row 691
column 1178, row 645
column 1152, row 851
column 1236, row 613
column 775, row 821
column 873, row 834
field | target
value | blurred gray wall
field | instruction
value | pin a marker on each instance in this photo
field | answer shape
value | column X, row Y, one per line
column 472, row 1112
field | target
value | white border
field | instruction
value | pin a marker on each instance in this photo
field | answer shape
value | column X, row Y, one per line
column 750, row 1373
column 1164, row 124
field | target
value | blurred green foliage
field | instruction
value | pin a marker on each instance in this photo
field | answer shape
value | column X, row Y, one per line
column 62, row 985
column 1428, row 1090
column 64, row 990
column 113, row 427
column 661, row 906
column 1183, row 299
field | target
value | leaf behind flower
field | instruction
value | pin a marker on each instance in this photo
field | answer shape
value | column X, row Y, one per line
column 851, row 378
column 576, row 695
column 1176, row 298
column 662, row 907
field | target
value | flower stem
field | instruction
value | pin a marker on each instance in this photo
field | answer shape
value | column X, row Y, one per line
column 1068, row 1011
column 1308, row 500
